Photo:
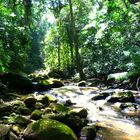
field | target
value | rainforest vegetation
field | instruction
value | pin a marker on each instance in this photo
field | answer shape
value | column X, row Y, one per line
column 69, row 69
column 89, row 37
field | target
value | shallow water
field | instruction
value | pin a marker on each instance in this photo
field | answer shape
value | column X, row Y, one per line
column 113, row 124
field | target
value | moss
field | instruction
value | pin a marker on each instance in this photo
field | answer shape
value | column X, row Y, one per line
column 59, row 108
column 43, row 99
column 17, row 119
column 30, row 101
column 50, row 130
column 36, row 114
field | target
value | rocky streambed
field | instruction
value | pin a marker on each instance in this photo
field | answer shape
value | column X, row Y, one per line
column 72, row 113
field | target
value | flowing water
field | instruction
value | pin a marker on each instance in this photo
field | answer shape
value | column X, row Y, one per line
column 113, row 124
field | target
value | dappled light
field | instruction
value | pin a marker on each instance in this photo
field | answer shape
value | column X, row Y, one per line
column 70, row 70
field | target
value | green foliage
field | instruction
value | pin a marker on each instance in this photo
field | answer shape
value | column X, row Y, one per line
column 38, row 32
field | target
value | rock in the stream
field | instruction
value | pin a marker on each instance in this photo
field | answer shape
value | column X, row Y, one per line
column 20, row 108
column 122, row 97
column 46, row 129
column 17, row 119
column 74, row 122
column 82, row 84
column 16, row 129
column 57, row 108
column 44, row 85
column 43, row 99
column 35, row 77
column 132, row 106
column 88, row 133
column 81, row 112
column 36, row 114
column 12, row 136
column 101, row 96
column 30, row 101
column 4, row 131
column 39, row 105
column 57, row 83
column 17, row 81
column 4, row 107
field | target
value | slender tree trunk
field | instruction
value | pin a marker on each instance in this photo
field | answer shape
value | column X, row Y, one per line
column 71, row 46
column 27, row 10
column 59, row 49
column 75, row 43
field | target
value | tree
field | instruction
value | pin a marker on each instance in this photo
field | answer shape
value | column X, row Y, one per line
column 75, row 43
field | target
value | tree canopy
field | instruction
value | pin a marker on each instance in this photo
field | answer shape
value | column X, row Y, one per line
column 91, row 37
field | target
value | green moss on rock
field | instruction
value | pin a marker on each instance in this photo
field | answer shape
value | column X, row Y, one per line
column 46, row 129
column 36, row 114
column 30, row 101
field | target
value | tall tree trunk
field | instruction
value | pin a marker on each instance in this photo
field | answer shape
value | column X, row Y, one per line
column 27, row 9
column 75, row 43
column 59, row 48
column 70, row 43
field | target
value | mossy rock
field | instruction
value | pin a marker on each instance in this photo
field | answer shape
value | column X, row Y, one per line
column 81, row 112
column 74, row 122
column 17, row 119
column 5, row 109
column 4, row 131
column 45, row 82
column 36, row 114
column 43, row 99
column 51, row 98
column 57, row 107
column 82, row 84
column 16, row 129
column 17, row 81
column 20, row 108
column 30, row 101
column 122, row 97
column 44, row 85
column 128, row 107
column 39, row 105
column 57, row 83
column 38, row 77
column 46, row 129
column 101, row 96
column 12, row 136
column 88, row 133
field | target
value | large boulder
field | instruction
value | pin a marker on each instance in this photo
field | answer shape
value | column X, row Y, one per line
column 30, row 101
column 44, row 99
column 47, row 129
column 36, row 114
column 57, row 108
column 57, row 83
column 36, row 77
column 4, row 131
column 5, row 109
column 122, row 97
column 16, row 81
column 101, row 96
column 82, row 84
column 48, row 84
column 88, row 133
column 74, row 122
column 17, row 119
column 81, row 112
column 20, row 108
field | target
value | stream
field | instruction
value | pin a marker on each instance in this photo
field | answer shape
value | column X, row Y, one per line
column 113, row 123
